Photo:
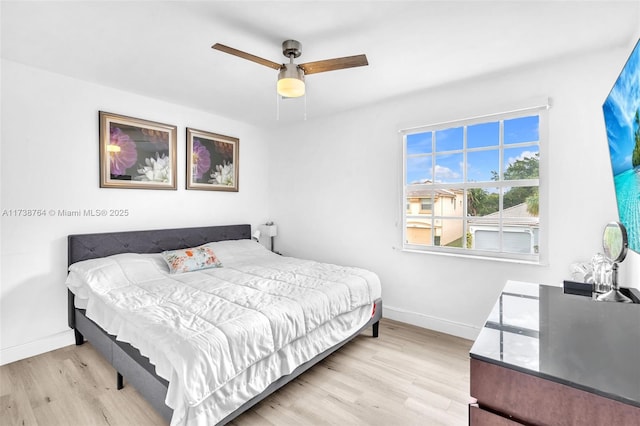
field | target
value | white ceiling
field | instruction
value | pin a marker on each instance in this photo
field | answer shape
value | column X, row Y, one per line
column 163, row 49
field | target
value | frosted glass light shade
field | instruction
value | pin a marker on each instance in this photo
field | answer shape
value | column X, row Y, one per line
column 290, row 87
column 291, row 81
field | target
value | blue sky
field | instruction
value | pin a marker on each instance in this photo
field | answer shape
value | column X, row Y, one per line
column 619, row 110
column 482, row 158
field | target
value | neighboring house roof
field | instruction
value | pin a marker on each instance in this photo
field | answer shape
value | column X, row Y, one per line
column 426, row 193
column 519, row 211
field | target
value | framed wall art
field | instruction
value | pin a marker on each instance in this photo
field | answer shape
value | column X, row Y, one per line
column 136, row 153
column 212, row 161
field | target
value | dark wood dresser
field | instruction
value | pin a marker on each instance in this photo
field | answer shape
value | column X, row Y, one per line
column 549, row 358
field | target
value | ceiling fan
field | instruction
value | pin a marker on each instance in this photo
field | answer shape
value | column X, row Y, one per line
column 291, row 76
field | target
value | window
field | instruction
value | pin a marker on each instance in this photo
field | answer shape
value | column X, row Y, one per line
column 426, row 205
column 472, row 187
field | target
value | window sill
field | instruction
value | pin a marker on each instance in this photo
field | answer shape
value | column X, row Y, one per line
column 537, row 262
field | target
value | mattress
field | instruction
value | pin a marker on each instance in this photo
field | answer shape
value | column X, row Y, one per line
column 220, row 336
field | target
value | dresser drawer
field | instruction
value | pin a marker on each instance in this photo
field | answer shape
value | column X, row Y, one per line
column 535, row 400
column 480, row 417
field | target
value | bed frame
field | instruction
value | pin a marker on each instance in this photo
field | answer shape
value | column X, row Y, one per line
column 126, row 359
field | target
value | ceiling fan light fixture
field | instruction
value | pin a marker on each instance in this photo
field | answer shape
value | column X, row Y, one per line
column 291, row 81
column 291, row 76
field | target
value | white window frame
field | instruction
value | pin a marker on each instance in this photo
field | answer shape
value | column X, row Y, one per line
column 537, row 258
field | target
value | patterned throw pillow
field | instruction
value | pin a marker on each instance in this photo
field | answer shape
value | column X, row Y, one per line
column 191, row 259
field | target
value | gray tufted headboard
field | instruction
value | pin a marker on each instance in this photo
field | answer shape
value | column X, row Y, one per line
column 91, row 246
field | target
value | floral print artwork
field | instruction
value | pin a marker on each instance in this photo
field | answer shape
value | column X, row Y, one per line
column 213, row 161
column 136, row 153
column 139, row 154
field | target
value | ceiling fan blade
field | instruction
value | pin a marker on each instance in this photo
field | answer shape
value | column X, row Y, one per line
column 245, row 55
column 334, row 64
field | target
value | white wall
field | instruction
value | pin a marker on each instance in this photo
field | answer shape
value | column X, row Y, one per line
column 50, row 161
column 335, row 189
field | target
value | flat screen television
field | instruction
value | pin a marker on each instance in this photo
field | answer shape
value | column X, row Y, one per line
column 622, row 121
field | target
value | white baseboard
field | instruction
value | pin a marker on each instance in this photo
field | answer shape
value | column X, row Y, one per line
column 465, row 331
column 37, row 347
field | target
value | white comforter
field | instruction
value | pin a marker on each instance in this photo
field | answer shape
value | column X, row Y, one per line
column 221, row 336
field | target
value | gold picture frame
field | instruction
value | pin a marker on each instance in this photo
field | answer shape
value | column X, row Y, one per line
column 212, row 161
column 136, row 153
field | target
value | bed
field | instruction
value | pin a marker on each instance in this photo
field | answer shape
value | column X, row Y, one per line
column 277, row 356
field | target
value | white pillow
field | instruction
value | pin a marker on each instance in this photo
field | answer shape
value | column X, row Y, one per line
column 231, row 250
column 104, row 273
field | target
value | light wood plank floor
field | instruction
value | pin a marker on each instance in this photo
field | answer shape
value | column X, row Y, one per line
column 407, row 376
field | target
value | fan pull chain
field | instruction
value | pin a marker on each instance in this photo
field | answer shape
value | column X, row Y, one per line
column 305, row 105
column 278, row 97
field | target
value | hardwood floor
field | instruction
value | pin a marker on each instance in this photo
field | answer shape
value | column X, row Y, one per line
column 407, row 376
